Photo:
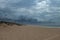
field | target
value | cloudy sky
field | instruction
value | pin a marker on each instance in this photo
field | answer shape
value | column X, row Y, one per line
column 42, row 10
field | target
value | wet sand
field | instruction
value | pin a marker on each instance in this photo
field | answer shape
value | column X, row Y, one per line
column 28, row 32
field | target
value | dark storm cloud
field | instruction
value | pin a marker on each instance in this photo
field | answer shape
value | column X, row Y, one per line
column 44, row 10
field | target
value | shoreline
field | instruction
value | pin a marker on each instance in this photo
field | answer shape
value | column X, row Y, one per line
column 44, row 26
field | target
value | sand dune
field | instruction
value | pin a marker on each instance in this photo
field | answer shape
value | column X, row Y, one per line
column 27, row 32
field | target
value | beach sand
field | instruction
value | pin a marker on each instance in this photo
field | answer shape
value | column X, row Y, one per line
column 28, row 32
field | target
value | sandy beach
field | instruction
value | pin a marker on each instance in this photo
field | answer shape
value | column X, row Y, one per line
column 27, row 32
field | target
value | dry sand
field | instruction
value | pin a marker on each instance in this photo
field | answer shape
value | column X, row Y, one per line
column 26, row 32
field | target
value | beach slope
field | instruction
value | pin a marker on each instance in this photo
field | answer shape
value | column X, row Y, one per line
column 27, row 32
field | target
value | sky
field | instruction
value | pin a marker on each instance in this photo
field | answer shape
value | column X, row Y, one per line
column 42, row 10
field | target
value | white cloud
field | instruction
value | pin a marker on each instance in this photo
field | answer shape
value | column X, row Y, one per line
column 42, row 6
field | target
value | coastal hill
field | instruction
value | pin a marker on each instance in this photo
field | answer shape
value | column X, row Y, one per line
column 9, row 23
